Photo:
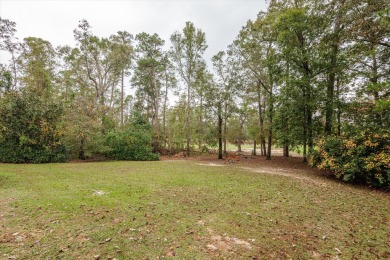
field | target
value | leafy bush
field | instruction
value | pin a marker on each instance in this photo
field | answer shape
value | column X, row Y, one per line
column 28, row 130
column 132, row 143
column 362, row 157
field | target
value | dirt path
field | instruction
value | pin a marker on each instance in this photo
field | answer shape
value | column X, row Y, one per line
column 283, row 170
column 291, row 167
column 291, row 173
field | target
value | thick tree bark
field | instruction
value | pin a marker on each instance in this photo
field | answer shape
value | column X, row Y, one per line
column 254, row 147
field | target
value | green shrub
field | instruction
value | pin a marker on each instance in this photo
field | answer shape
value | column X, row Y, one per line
column 132, row 143
column 362, row 157
column 28, row 130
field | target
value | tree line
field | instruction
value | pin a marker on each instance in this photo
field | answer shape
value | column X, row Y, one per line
column 307, row 75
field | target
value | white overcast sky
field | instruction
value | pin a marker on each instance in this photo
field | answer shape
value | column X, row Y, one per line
column 55, row 20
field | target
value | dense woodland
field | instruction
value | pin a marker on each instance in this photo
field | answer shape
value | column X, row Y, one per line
column 312, row 76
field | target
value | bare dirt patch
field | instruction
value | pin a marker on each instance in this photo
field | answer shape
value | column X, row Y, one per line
column 226, row 243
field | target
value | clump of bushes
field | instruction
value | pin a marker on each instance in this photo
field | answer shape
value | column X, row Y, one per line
column 28, row 130
column 362, row 157
column 133, row 142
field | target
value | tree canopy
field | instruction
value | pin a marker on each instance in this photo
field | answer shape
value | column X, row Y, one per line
column 311, row 76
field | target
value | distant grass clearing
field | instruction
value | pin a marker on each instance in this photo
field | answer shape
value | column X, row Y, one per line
column 136, row 210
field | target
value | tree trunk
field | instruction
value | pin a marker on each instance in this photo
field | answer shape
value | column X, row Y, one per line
column 200, row 129
column 330, row 92
column 285, row 122
column 225, row 128
column 219, row 131
column 310, row 128
column 188, row 121
column 332, row 76
column 242, row 122
column 155, row 111
column 304, row 144
column 285, row 135
column 338, row 107
column 270, row 115
column 286, row 152
column 261, row 122
column 122, row 97
column 82, row 148
column 304, row 126
column 165, row 109
column 254, row 147
column 262, row 130
column 374, row 81
column 14, row 71
column 308, row 110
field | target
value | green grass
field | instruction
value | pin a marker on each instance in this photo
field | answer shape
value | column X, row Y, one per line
column 182, row 209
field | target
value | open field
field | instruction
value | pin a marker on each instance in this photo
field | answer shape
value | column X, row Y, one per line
column 188, row 209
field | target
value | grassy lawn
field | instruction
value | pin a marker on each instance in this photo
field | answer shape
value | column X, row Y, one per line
column 139, row 210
